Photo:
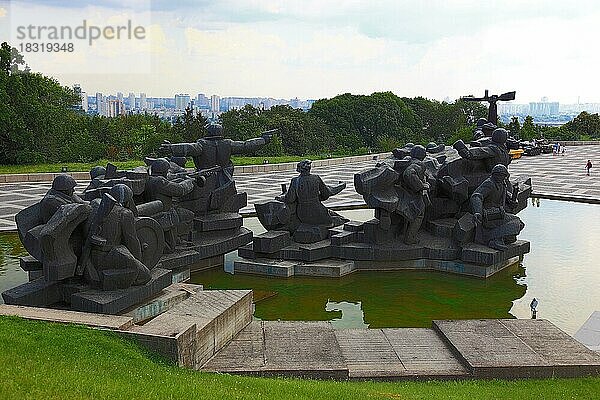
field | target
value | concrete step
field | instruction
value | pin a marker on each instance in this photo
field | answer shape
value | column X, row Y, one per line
column 202, row 324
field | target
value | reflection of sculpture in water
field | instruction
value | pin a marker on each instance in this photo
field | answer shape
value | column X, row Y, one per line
column 352, row 314
column 495, row 227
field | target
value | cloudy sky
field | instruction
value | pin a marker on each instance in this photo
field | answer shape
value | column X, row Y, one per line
column 317, row 48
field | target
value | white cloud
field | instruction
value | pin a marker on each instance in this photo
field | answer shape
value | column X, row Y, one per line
column 315, row 49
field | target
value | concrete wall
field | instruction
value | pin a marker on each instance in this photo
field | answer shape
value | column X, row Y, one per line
column 243, row 169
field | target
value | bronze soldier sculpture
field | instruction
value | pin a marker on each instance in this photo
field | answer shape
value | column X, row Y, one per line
column 62, row 192
column 219, row 193
column 490, row 153
column 159, row 187
column 306, row 193
column 299, row 209
column 495, row 227
column 115, row 250
column 414, row 196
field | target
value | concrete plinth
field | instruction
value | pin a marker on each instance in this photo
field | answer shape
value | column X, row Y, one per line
column 285, row 268
column 115, row 301
column 435, row 250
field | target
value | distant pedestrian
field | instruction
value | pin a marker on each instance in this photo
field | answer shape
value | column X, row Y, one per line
column 588, row 166
column 563, row 149
column 533, row 305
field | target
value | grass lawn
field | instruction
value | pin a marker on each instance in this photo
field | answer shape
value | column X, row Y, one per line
column 50, row 361
column 124, row 165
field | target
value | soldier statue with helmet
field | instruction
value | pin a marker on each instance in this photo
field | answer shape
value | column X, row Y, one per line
column 62, row 192
column 495, row 227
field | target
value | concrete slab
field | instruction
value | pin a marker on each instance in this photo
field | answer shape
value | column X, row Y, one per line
column 216, row 316
column 398, row 353
column 264, row 266
column 268, row 348
column 271, row 241
column 589, row 333
column 66, row 316
column 38, row 293
column 166, row 300
column 517, row 349
column 217, row 222
column 479, row 254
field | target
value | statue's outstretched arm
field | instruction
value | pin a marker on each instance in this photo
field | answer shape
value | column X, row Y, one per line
column 247, row 146
column 177, row 189
column 250, row 145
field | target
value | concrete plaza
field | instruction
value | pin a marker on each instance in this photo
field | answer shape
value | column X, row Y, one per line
column 560, row 177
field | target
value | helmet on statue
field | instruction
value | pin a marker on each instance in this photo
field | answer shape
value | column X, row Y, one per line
column 419, row 152
column 64, row 183
column 215, row 131
column 160, row 167
column 500, row 169
column 500, row 136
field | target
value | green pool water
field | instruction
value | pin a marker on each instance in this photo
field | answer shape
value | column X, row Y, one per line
column 562, row 272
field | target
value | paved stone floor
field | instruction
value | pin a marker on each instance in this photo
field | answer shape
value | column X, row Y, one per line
column 553, row 176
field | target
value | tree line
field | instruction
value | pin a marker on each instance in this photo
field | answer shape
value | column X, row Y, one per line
column 39, row 123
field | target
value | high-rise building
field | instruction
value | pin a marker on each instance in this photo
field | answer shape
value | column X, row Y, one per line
column 182, row 101
column 100, row 104
column 115, row 108
column 215, row 103
column 84, row 102
column 143, row 102
column 120, row 96
column 131, row 101
column 543, row 108
column 202, row 101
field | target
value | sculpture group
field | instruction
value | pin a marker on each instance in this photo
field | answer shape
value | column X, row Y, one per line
column 435, row 207
column 129, row 234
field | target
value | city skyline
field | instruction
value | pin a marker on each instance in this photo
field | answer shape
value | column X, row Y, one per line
column 312, row 49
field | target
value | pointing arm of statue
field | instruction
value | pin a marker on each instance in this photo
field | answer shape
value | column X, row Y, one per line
column 250, row 145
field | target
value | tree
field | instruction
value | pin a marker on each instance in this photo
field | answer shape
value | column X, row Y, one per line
column 514, row 126
column 10, row 59
column 585, row 124
column 359, row 121
column 190, row 126
column 528, row 130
